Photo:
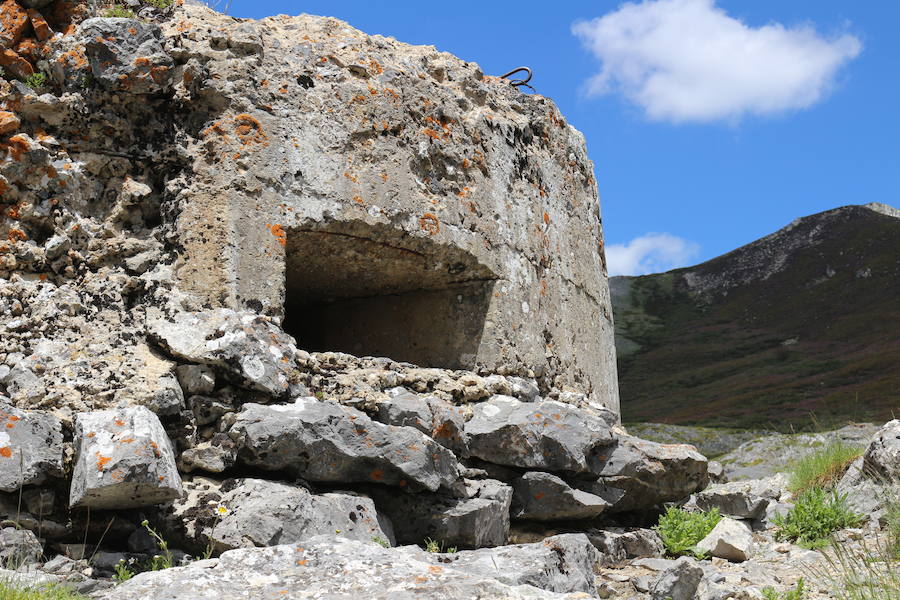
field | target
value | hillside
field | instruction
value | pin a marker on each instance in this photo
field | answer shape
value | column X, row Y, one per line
column 804, row 322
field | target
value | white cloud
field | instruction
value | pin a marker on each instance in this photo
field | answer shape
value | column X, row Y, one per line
column 650, row 253
column 687, row 60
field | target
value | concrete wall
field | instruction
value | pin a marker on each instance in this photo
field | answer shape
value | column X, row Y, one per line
column 401, row 200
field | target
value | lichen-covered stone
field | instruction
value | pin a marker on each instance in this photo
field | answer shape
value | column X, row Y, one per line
column 323, row 441
column 256, row 512
column 325, row 567
column 31, row 447
column 636, row 474
column 477, row 519
column 561, row 563
column 441, row 421
column 123, row 459
column 244, row 343
column 127, row 55
column 545, row 497
column 538, row 435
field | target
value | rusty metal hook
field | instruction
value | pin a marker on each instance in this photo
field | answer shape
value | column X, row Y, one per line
column 519, row 82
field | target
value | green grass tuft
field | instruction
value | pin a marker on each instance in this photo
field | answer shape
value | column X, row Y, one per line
column 681, row 530
column 13, row 591
column 798, row 593
column 822, row 468
column 815, row 516
column 119, row 11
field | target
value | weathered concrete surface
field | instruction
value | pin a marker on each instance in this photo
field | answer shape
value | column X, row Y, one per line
column 31, row 447
column 325, row 567
column 324, row 441
column 124, row 459
column 409, row 204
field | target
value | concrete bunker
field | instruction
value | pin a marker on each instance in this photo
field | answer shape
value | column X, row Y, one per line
column 375, row 290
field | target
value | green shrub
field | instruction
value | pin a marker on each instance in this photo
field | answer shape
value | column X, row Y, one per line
column 681, row 530
column 160, row 4
column 798, row 593
column 815, row 516
column 12, row 591
column 36, row 81
column 822, row 468
column 117, row 10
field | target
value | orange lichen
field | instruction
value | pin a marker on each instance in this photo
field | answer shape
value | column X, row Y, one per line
column 430, row 223
column 351, row 177
column 102, row 461
column 431, row 133
column 546, row 219
column 16, row 235
column 377, row 474
column 119, row 422
column 279, row 233
column 5, row 452
column 249, row 129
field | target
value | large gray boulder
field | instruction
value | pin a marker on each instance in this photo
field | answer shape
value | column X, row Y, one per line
column 635, row 474
column 127, row 55
column 748, row 499
column 872, row 481
column 257, row 512
column 478, row 519
column 561, row 563
column 323, row 567
column 245, row 344
column 440, row 420
column 324, row 441
column 31, row 447
column 123, row 459
column 882, row 457
column 545, row 497
column 549, row 435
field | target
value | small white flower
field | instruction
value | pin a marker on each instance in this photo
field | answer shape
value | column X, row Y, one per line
column 221, row 510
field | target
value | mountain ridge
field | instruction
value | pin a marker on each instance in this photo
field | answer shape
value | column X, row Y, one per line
column 797, row 323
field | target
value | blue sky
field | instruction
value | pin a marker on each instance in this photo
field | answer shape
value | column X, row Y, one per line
column 717, row 122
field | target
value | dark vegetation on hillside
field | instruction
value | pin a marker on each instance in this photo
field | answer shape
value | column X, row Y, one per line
column 819, row 337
